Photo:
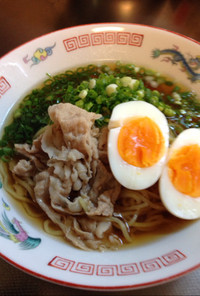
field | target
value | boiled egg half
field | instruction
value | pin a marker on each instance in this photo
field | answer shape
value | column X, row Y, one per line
column 138, row 141
column 179, row 184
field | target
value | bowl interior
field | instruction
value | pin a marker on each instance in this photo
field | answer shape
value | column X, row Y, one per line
column 23, row 69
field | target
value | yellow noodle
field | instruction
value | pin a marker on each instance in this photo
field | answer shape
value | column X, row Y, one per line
column 146, row 225
column 145, row 197
column 132, row 207
column 132, row 220
column 27, row 184
column 137, row 210
column 122, row 226
column 16, row 191
column 117, row 222
column 32, row 210
column 50, row 228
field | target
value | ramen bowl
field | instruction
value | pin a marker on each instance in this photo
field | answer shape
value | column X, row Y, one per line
column 153, row 262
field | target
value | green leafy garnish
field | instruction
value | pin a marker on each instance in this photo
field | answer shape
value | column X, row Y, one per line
column 86, row 87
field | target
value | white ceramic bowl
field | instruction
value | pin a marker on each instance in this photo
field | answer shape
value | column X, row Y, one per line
column 21, row 70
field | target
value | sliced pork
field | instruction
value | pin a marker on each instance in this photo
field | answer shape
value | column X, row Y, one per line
column 72, row 180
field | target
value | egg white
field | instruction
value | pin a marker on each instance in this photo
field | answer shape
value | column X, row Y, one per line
column 177, row 203
column 130, row 176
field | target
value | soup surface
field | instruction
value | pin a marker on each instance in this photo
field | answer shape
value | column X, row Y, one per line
column 55, row 154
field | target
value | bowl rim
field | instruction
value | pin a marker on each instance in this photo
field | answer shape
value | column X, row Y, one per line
column 100, row 288
column 103, row 24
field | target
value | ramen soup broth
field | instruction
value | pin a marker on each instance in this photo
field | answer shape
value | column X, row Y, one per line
column 87, row 88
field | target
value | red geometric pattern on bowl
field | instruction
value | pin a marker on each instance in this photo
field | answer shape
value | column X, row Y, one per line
column 83, row 268
column 149, row 265
column 128, row 269
column 4, row 86
column 62, row 263
column 84, row 40
column 100, row 38
column 172, row 258
column 109, row 38
column 106, row 270
column 165, row 260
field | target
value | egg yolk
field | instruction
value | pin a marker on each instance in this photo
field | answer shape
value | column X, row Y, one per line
column 184, row 170
column 140, row 142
